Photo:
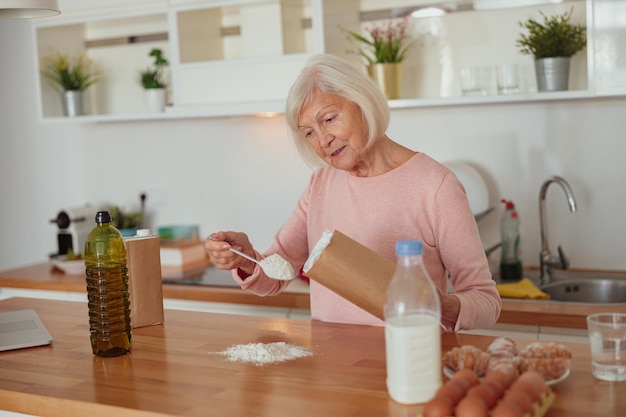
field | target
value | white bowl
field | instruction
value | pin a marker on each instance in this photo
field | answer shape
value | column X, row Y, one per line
column 76, row 267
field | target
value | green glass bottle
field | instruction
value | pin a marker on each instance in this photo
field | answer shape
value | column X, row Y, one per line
column 107, row 289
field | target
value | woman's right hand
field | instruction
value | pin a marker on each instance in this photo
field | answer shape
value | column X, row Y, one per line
column 217, row 247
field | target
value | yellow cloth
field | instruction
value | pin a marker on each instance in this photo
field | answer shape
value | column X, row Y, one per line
column 522, row 289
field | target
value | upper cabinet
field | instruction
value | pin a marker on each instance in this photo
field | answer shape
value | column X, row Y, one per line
column 236, row 57
column 246, row 52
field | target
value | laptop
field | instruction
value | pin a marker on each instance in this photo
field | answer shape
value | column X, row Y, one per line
column 21, row 329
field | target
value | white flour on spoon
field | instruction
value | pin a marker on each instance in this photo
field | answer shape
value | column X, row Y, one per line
column 275, row 266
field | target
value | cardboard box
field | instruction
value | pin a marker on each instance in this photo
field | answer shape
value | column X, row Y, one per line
column 353, row 271
column 143, row 259
column 182, row 253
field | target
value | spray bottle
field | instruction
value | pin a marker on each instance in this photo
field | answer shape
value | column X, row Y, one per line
column 510, row 263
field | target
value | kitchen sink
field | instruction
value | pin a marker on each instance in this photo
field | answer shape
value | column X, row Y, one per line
column 587, row 289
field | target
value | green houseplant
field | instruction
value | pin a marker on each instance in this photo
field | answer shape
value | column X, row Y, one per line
column 71, row 76
column 153, row 82
column 69, row 73
column 126, row 221
column 152, row 77
column 384, row 47
column 552, row 43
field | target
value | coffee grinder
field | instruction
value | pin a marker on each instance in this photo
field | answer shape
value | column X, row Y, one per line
column 74, row 226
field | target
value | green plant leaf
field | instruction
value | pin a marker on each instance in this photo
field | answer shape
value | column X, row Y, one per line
column 152, row 77
column 68, row 73
column 556, row 36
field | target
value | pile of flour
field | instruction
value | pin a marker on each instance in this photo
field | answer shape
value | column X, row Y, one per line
column 265, row 353
column 275, row 266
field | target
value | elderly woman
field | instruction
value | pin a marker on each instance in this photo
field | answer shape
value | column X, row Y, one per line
column 374, row 190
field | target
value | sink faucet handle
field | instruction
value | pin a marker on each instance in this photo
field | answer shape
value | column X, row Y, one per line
column 563, row 258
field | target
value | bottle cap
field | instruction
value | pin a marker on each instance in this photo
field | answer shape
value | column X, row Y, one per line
column 508, row 203
column 409, row 247
column 143, row 232
column 103, row 217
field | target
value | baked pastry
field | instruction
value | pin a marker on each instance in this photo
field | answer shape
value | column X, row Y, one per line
column 549, row 359
column 467, row 357
column 503, row 346
column 545, row 350
column 549, row 368
column 511, row 366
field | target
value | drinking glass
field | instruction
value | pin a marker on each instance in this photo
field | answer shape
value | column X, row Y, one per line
column 476, row 81
column 607, row 337
column 508, row 79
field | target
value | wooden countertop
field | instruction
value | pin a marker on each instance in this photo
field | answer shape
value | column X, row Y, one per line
column 43, row 276
column 553, row 313
column 171, row 371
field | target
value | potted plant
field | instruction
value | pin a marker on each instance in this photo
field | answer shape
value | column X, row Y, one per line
column 384, row 49
column 71, row 76
column 552, row 43
column 126, row 221
column 152, row 80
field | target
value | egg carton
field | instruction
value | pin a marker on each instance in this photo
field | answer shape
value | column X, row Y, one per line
column 547, row 398
column 540, row 408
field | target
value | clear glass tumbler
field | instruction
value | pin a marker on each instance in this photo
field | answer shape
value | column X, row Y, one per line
column 607, row 336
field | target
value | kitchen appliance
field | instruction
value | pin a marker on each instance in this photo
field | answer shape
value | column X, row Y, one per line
column 74, row 226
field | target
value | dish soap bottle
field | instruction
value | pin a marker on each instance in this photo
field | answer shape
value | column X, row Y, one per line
column 412, row 328
column 107, row 289
column 510, row 263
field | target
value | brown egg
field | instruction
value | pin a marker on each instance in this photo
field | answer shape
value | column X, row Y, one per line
column 536, row 380
column 467, row 375
column 450, row 391
column 486, row 392
column 507, row 410
column 527, row 388
column 521, row 398
column 471, row 406
column 502, row 378
column 462, row 383
column 495, row 386
column 438, row 407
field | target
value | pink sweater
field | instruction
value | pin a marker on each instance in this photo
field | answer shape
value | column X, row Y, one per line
column 420, row 199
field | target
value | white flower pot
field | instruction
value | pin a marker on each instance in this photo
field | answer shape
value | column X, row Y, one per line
column 155, row 99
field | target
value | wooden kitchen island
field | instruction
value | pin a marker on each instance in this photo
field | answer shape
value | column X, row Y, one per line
column 175, row 369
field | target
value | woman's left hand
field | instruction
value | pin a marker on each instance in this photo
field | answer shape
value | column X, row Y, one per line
column 450, row 306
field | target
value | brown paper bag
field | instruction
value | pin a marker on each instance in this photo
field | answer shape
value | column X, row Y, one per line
column 354, row 272
column 143, row 260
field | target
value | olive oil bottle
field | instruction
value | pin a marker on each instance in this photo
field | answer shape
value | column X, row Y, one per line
column 107, row 289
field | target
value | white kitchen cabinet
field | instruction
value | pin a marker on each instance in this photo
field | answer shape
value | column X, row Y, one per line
column 248, row 52
column 608, row 46
column 239, row 57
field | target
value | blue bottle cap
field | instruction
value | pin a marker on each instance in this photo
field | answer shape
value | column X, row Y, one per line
column 409, row 247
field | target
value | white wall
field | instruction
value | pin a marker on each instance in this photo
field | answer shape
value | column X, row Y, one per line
column 244, row 174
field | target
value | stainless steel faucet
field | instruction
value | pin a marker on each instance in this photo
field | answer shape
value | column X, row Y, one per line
column 547, row 260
